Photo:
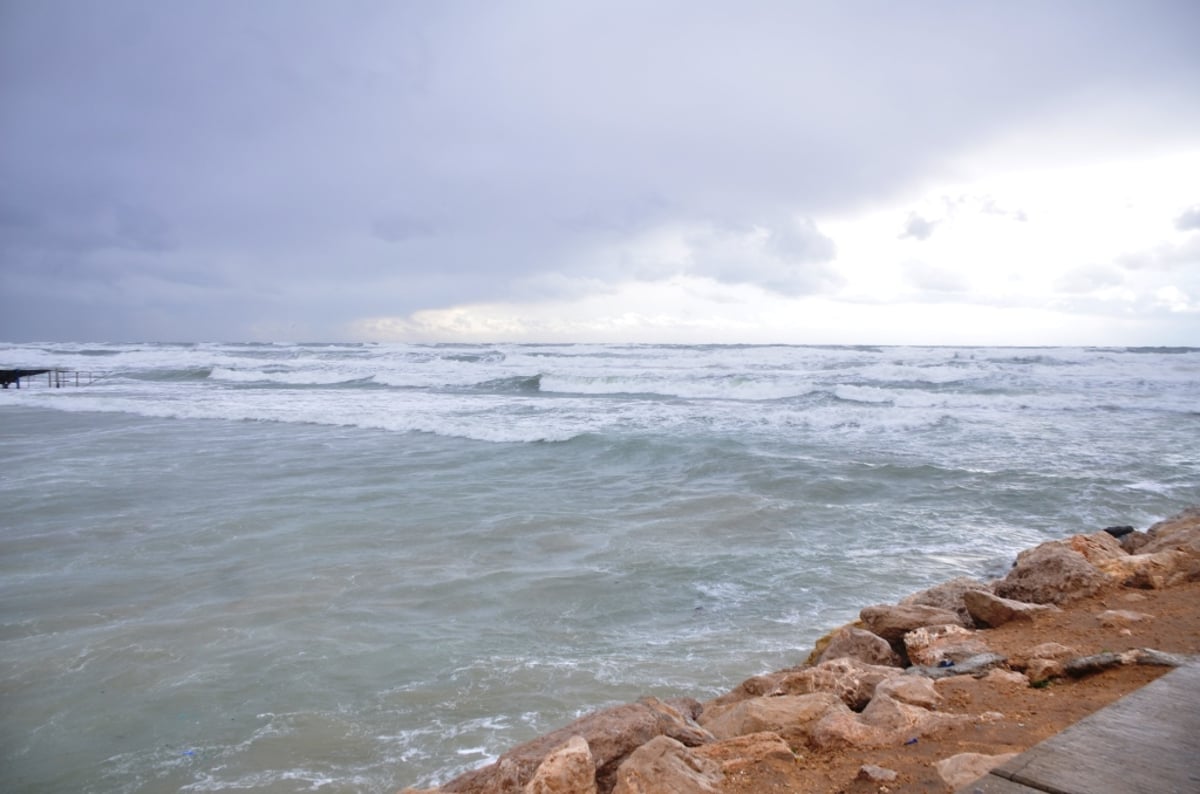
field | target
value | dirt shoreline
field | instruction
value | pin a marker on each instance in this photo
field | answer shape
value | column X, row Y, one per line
column 1107, row 597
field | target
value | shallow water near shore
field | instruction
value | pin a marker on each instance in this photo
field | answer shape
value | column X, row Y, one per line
column 350, row 568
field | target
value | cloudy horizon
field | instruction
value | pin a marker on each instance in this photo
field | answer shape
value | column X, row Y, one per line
column 1012, row 173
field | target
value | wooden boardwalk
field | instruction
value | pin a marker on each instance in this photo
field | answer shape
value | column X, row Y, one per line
column 1148, row 742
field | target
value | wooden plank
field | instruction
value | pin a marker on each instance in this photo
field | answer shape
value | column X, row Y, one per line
column 990, row 784
column 1148, row 742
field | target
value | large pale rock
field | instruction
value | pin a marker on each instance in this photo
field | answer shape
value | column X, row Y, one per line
column 884, row 722
column 1154, row 571
column 855, row 643
column 751, row 750
column 930, row 645
column 915, row 690
column 851, row 680
column 1096, row 547
column 948, row 595
column 1050, row 573
column 790, row 716
column 611, row 734
column 567, row 770
column 1180, row 531
column 665, row 766
column 964, row 768
column 988, row 609
column 840, row 730
column 892, row 622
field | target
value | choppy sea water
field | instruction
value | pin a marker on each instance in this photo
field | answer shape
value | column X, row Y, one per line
column 351, row 568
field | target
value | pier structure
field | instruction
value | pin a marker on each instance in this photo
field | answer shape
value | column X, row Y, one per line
column 56, row 377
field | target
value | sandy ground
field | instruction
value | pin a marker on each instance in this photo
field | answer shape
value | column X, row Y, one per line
column 1031, row 714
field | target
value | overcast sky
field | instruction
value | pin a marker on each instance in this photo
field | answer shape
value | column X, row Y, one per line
column 809, row 172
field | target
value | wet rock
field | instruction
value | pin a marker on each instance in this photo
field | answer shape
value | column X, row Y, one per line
column 959, row 770
column 892, row 622
column 567, row 770
column 790, row 716
column 855, row 643
column 931, row 645
column 665, row 766
column 1051, row 573
column 948, row 595
column 991, row 610
column 611, row 734
column 1118, row 532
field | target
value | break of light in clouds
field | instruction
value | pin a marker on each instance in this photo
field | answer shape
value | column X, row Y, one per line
column 861, row 172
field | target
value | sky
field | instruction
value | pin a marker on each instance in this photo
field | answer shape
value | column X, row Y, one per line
column 858, row 172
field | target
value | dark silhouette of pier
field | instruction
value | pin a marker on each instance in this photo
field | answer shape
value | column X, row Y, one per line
column 56, row 377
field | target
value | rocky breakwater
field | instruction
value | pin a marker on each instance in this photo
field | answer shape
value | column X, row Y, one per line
column 926, row 694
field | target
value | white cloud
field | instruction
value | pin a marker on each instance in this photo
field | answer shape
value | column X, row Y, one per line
column 1018, row 258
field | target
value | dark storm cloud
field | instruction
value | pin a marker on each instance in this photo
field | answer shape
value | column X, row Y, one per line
column 200, row 170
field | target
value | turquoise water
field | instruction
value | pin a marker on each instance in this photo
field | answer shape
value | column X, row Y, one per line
column 354, row 568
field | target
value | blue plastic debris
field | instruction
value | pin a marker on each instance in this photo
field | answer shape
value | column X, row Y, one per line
column 912, row 741
column 946, row 663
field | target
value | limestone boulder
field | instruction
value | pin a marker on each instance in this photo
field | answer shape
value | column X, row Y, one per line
column 991, row 610
column 611, row 735
column 752, row 750
column 1039, row 670
column 849, row 679
column 1002, row 677
column 850, row 642
column 962, row 769
column 1181, row 531
column 568, row 770
column 948, row 595
column 884, row 722
column 893, row 621
column 789, row 716
column 755, row 686
column 1096, row 547
column 1050, row 573
column 913, row 690
column 666, row 766
column 932, row 645
column 1155, row 570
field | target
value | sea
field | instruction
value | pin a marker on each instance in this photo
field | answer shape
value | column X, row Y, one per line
column 359, row 567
